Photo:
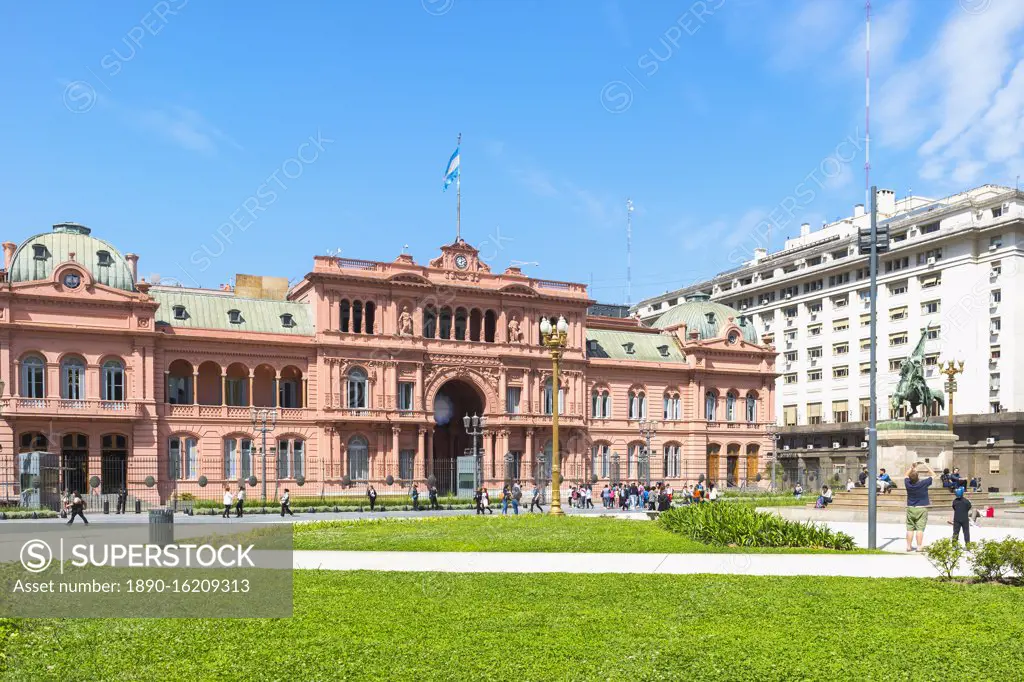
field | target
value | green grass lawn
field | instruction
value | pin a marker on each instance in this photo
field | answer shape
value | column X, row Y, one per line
column 428, row 626
column 523, row 533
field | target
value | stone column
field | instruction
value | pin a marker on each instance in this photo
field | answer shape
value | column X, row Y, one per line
column 421, row 454
column 420, row 394
column 277, row 389
column 430, row 449
column 396, row 434
column 252, row 400
column 502, row 390
column 195, row 387
column 529, row 443
column 223, row 388
column 488, row 463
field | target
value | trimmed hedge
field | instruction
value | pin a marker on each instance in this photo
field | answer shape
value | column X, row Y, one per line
column 28, row 514
column 742, row 526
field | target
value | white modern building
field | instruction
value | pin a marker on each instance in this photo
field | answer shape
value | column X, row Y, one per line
column 955, row 268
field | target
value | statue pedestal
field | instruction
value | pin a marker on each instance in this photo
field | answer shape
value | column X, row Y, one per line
column 901, row 443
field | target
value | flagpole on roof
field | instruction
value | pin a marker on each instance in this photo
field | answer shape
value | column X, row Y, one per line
column 458, row 193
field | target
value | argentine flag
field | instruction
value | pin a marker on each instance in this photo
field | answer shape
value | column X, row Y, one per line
column 452, row 173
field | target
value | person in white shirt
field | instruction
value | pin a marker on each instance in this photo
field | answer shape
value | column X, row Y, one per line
column 285, row 506
column 849, row 484
column 240, row 502
column 228, row 500
column 712, row 492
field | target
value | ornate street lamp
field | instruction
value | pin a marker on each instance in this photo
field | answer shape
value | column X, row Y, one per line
column 554, row 339
column 264, row 421
column 951, row 370
column 648, row 428
column 615, row 468
column 475, row 426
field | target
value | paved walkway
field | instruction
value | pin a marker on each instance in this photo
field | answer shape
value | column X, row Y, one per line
column 854, row 565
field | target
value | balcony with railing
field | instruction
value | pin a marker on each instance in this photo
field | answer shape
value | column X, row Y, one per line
column 228, row 412
column 62, row 407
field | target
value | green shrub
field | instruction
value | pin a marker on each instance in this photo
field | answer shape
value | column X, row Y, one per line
column 989, row 559
column 27, row 514
column 945, row 555
column 1015, row 557
column 742, row 525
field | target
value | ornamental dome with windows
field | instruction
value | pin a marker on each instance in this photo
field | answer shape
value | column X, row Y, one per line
column 37, row 257
column 702, row 315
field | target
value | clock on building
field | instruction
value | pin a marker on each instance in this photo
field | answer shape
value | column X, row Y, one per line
column 72, row 280
column 461, row 262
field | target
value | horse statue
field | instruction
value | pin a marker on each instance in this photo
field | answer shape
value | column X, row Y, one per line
column 912, row 387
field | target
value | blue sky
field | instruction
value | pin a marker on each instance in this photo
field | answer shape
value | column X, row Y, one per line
column 158, row 124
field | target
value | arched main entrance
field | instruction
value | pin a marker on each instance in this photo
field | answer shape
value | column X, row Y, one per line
column 454, row 400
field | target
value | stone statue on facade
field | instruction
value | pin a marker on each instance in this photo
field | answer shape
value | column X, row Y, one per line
column 405, row 322
column 514, row 335
column 912, row 387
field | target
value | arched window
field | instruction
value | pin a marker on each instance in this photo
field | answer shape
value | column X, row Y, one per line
column 671, row 406
column 113, row 380
column 632, row 460
column 33, row 441
column 369, row 326
column 710, row 406
column 460, row 324
column 72, row 379
column 549, row 398
column 490, row 325
column 730, row 406
column 357, row 317
column 357, row 396
column 637, row 404
column 751, row 407
column 237, row 458
column 358, row 458
column 33, row 377
column 671, row 463
column 600, row 403
column 183, row 456
column 291, row 458
column 601, row 453
column 446, row 323
column 344, row 315
column 429, row 322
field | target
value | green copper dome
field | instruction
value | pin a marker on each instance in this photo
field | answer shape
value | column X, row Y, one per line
column 699, row 313
column 37, row 256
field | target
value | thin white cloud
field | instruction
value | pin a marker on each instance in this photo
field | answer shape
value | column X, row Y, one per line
column 961, row 102
column 186, row 128
column 797, row 38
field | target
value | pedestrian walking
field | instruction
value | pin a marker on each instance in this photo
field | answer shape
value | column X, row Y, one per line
column 229, row 500
column 478, row 500
column 535, row 500
column 240, row 502
column 415, row 498
column 485, row 500
column 506, row 498
column 77, row 508
column 517, row 494
column 432, row 492
column 588, row 499
column 372, row 494
column 122, row 499
column 286, row 503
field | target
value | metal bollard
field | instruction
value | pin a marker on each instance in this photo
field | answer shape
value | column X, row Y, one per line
column 106, row 506
column 161, row 527
column 138, row 506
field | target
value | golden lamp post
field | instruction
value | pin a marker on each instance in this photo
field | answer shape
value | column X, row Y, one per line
column 554, row 340
column 951, row 370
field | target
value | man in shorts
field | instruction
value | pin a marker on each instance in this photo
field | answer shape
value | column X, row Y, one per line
column 917, row 505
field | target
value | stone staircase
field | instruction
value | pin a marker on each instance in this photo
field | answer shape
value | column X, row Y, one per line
column 896, row 501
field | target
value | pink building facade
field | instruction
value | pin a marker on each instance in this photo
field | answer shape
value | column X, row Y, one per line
column 368, row 369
